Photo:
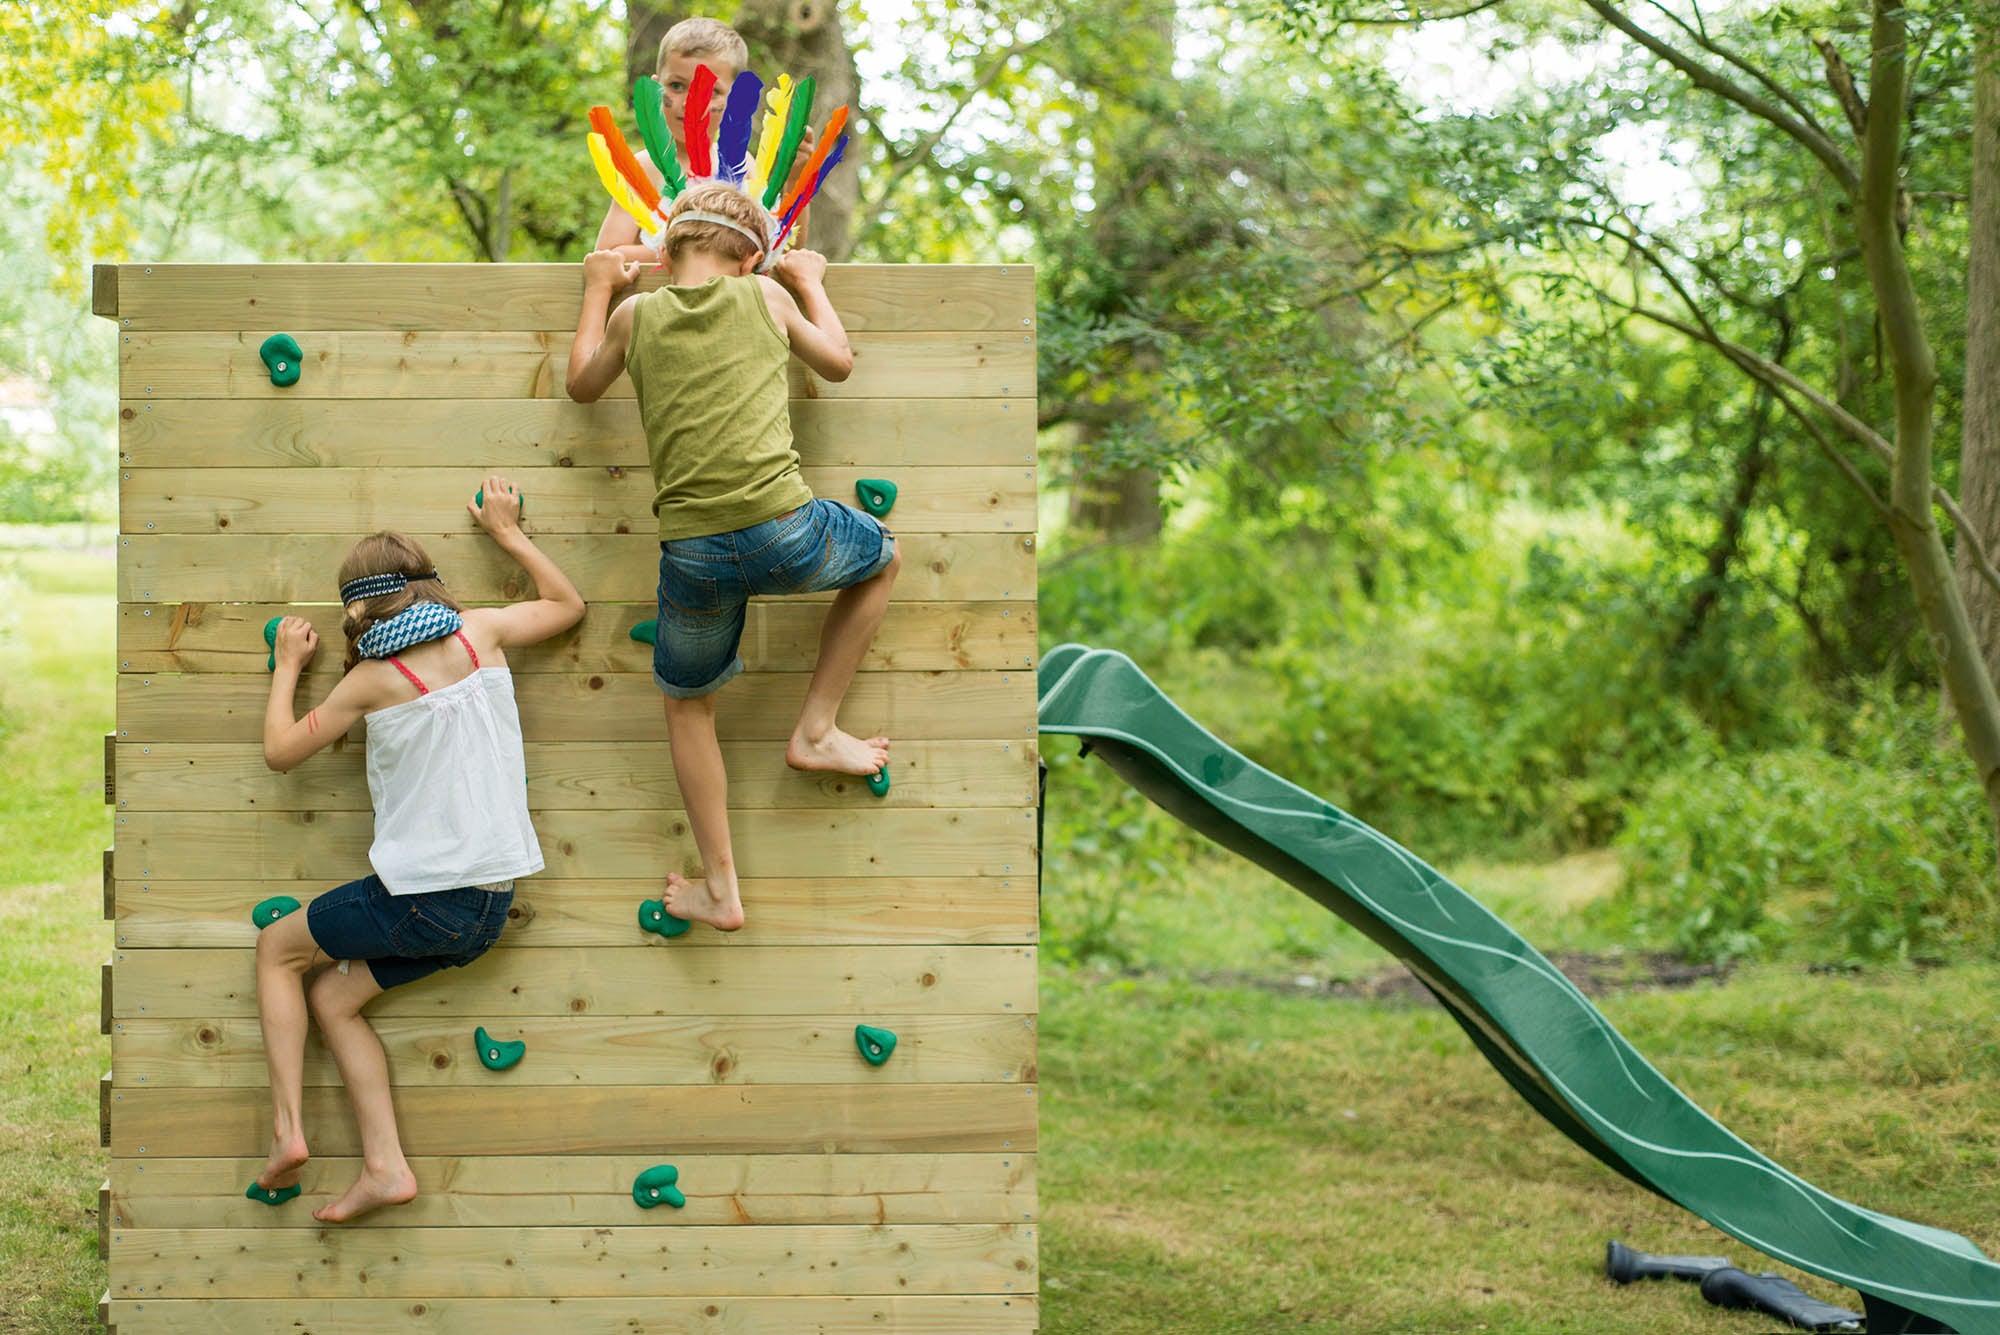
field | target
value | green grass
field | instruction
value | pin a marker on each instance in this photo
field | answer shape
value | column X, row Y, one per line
column 1252, row 1162
column 1215, row 1160
column 56, row 647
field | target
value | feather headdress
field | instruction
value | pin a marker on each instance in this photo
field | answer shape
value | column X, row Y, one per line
column 727, row 159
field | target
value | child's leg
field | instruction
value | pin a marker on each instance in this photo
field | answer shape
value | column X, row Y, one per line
column 285, row 950
column 705, row 793
column 817, row 743
column 386, row 1179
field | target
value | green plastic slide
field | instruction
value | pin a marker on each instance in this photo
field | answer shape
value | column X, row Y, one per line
column 1531, row 1022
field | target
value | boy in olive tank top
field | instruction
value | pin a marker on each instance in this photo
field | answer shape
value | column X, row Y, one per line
column 707, row 357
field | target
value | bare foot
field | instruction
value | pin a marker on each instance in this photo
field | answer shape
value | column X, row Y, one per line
column 698, row 901
column 288, row 1155
column 370, row 1191
column 837, row 753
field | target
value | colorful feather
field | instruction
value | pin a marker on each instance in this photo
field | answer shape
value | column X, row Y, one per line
column 804, row 197
column 809, row 175
column 621, row 157
column 732, row 143
column 795, row 130
column 777, row 107
column 648, row 102
column 694, row 123
column 621, row 193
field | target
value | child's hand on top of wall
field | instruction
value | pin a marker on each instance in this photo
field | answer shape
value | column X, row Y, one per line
column 297, row 642
column 799, row 269
column 608, row 271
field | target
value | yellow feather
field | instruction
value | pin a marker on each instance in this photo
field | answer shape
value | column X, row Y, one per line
column 621, row 192
column 777, row 104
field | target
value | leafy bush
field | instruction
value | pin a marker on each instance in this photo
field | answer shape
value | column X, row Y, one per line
column 1875, row 846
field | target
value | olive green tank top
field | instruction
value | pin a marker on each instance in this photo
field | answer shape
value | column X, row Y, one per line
column 708, row 364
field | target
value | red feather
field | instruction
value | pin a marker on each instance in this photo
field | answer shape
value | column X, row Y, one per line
column 695, row 122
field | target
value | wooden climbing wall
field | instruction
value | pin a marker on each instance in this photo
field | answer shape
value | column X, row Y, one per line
column 823, row 1194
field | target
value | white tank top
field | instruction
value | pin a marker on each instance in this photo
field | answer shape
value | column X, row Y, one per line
column 449, row 782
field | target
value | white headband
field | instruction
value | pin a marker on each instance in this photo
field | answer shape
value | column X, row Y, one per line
column 703, row 215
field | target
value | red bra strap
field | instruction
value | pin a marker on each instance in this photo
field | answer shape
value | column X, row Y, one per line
column 421, row 688
column 473, row 653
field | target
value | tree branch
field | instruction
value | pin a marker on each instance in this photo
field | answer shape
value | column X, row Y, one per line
column 1735, row 61
column 1813, row 138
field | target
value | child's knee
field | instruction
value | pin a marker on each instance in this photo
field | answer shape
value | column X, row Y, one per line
column 890, row 571
column 327, row 997
column 283, row 950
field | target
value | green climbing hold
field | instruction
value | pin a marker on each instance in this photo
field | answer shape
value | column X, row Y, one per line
column 877, row 495
column 878, row 782
column 479, row 499
column 646, row 632
column 654, row 918
column 656, row 1185
column 495, row 1055
column 282, row 355
column 271, row 639
column 272, row 909
column 271, row 1195
column 875, row 1044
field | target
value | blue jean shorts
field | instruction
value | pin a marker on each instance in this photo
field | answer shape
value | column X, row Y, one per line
column 406, row 937
column 706, row 583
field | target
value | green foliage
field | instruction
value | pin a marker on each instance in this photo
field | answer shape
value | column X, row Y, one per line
column 1876, row 845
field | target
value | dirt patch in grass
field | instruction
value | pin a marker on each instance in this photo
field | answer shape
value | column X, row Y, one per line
column 1595, row 973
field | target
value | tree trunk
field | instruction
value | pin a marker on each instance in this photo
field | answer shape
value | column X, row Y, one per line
column 1751, row 466
column 1979, row 448
column 1914, row 374
column 804, row 38
column 645, row 25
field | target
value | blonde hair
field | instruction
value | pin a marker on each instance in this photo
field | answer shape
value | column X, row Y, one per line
column 730, row 203
column 703, row 37
column 381, row 554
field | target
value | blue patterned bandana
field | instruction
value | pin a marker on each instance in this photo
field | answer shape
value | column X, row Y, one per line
column 413, row 625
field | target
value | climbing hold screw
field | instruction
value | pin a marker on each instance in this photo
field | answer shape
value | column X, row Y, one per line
column 878, row 782
column 654, row 918
column 875, row 1044
column 495, row 1055
column 272, row 909
column 646, row 632
column 657, row 1184
column 271, row 1195
column 877, row 495
column 271, row 639
column 281, row 355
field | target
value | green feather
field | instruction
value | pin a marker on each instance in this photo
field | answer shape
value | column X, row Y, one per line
column 646, row 95
column 788, row 147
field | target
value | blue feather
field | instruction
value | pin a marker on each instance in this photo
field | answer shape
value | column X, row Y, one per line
column 732, row 148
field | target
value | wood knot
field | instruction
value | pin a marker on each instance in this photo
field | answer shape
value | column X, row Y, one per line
column 623, row 527
column 222, row 521
column 440, row 1060
column 930, row 980
column 564, row 461
column 597, row 683
column 206, row 1036
column 578, row 1005
column 127, row 414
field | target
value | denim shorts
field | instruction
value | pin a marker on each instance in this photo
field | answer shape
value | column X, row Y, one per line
column 406, row 937
column 706, row 583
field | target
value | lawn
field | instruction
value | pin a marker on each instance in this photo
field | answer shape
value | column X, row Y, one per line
column 1218, row 1156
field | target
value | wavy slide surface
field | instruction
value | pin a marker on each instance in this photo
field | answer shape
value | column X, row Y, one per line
column 1541, row 1033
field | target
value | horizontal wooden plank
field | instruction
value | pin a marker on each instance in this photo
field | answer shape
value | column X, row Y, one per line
column 580, row 776
column 596, row 1190
column 272, row 297
column 779, row 635
column 610, row 845
column 610, row 707
column 873, row 1315
column 942, row 1315
column 807, row 911
column 579, row 1050
column 572, row 1262
column 623, row 1119
column 507, row 434
column 424, row 364
column 183, row 569
column 558, row 500
column 868, row 982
